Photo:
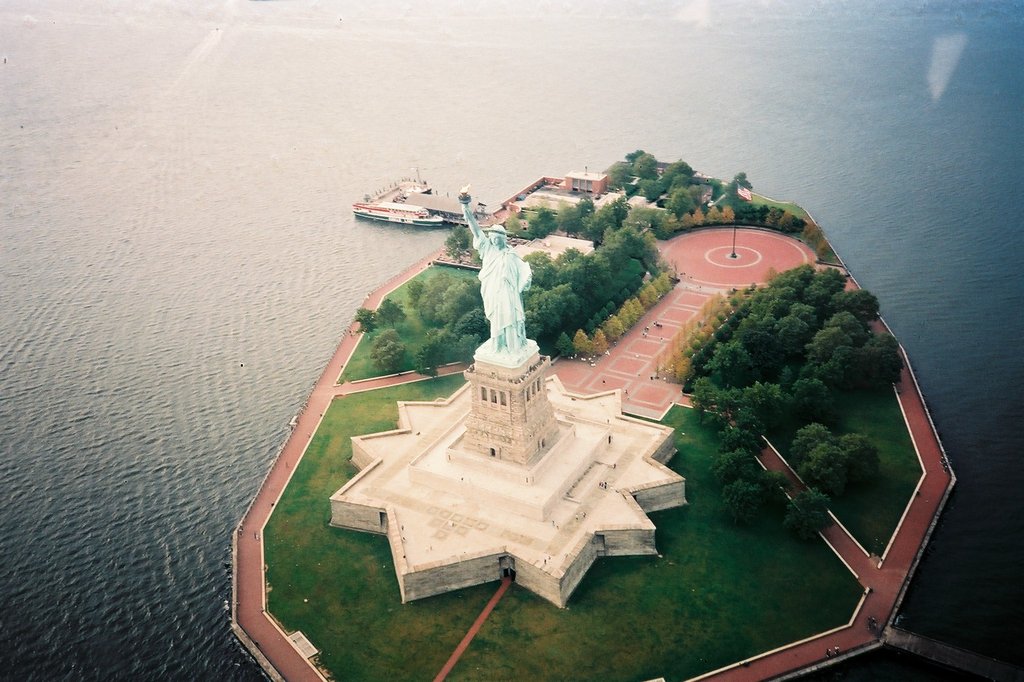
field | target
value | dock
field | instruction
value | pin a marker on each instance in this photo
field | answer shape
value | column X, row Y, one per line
column 951, row 656
column 416, row 192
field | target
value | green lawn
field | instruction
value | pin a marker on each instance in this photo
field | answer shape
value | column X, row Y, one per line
column 871, row 510
column 412, row 329
column 354, row 614
column 795, row 209
column 719, row 594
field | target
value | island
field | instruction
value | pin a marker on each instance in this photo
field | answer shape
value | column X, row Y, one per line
column 634, row 424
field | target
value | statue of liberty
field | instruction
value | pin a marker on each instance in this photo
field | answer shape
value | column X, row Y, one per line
column 503, row 279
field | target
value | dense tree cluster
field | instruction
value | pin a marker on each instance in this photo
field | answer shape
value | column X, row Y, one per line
column 780, row 353
column 580, row 291
column 803, row 326
column 676, row 188
column 616, row 324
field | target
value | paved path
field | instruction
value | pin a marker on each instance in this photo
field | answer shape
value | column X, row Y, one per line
column 473, row 629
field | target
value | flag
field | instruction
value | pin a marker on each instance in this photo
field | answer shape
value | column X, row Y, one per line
column 744, row 193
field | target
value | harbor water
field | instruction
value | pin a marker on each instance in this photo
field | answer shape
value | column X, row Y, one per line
column 178, row 257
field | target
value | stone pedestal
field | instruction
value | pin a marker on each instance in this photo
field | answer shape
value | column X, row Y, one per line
column 510, row 417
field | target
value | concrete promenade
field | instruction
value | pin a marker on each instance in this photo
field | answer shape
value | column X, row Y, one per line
column 704, row 271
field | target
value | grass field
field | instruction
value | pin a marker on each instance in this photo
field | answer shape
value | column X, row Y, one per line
column 354, row 613
column 795, row 209
column 412, row 329
column 871, row 510
column 718, row 594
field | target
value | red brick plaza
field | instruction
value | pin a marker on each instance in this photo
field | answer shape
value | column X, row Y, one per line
column 703, row 261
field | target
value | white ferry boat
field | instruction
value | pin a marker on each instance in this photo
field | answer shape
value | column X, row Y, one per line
column 391, row 212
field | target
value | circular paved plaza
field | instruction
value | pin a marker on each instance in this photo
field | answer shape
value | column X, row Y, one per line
column 705, row 258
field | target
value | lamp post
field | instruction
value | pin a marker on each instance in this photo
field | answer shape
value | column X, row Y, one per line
column 733, row 254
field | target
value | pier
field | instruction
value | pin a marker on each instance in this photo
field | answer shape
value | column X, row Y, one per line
column 951, row 656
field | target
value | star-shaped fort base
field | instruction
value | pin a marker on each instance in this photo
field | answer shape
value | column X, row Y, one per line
column 456, row 517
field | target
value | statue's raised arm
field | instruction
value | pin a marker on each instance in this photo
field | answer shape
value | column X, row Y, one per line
column 467, row 212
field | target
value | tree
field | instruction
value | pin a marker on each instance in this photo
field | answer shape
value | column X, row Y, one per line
column 474, row 324
column 542, row 223
column 704, row 397
column 564, row 345
column 414, row 290
column 651, row 189
column 645, row 166
column 458, row 241
column 514, row 224
column 854, row 328
column 641, row 218
column 861, row 457
column 825, row 468
column 388, row 352
column 613, row 328
column 545, row 272
column 766, row 401
column 813, row 401
column 677, row 174
column 581, row 343
column 807, row 514
column 792, row 334
column 569, row 219
column 430, row 354
column 773, row 485
column 459, row 298
column 740, row 180
column 806, row 439
column 823, row 346
column 732, row 364
column 823, row 286
column 367, row 319
column 860, row 302
column 619, row 174
column 648, row 296
column 878, row 362
column 733, row 465
column 742, row 498
column 550, row 312
column 599, row 344
column 608, row 217
column 734, row 438
column 759, row 340
column 389, row 313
